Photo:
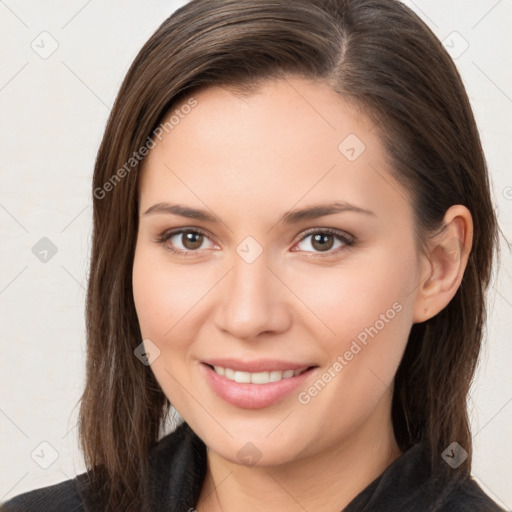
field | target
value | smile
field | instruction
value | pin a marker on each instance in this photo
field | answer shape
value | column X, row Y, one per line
column 257, row 377
column 256, row 384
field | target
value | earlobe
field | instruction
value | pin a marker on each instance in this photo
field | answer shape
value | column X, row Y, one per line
column 444, row 263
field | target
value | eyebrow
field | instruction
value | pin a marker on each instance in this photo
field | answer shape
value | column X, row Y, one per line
column 291, row 217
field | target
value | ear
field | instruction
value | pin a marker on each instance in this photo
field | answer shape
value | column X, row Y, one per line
column 443, row 265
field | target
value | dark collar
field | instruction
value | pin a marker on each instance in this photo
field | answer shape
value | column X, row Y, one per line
column 177, row 471
column 178, row 468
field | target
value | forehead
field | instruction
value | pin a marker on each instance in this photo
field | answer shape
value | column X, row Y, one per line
column 292, row 142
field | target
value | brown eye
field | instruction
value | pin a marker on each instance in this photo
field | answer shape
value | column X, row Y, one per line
column 325, row 242
column 322, row 242
column 192, row 240
column 185, row 242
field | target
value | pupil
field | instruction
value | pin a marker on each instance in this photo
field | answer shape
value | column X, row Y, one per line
column 322, row 239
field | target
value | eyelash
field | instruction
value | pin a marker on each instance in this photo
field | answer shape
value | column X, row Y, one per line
column 347, row 241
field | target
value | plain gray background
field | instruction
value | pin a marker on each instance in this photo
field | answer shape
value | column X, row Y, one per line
column 62, row 63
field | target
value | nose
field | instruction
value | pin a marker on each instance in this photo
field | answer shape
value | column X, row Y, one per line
column 252, row 300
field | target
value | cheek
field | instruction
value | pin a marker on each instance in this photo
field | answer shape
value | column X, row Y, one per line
column 164, row 297
column 165, row 294
column 371, row 320
column 362, row 318
column 356, row 296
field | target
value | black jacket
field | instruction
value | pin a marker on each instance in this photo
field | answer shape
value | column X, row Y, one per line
column 178, row 466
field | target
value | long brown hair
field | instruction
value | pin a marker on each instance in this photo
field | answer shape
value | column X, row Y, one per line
column 381, row 56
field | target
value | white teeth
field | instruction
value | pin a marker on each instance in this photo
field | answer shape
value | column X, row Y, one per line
column 260, row 377
column 243, row 377
column 275, row 376
column 256, row 377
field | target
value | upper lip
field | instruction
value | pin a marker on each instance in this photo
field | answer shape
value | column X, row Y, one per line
column 257, row 365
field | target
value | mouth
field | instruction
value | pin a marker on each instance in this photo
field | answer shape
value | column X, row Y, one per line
column 257, row 377
column 255, row 385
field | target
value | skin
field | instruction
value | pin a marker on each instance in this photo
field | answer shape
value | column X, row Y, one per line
column 248, row 160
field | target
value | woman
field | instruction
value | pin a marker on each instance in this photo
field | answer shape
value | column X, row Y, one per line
column 293, row 235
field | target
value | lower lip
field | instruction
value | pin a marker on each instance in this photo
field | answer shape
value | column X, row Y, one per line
column 252, row 396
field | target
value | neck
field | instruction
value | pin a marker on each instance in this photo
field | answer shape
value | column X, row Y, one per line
column 326, row 481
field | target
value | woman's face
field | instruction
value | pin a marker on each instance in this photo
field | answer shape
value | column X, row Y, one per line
column 295, row 253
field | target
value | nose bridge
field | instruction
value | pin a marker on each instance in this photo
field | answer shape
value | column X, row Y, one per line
column 250, row 279
column 250, row 301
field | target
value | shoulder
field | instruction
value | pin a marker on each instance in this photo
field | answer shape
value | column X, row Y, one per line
column 410, row 484
column 468, row 496
column 61, row 497
column 177, row 464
